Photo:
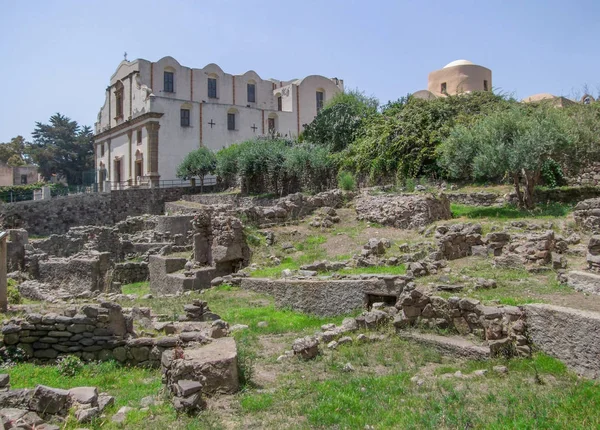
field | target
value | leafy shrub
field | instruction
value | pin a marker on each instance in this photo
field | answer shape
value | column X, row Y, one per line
column 69, row 365
column 552, row 174
column 12, row 292
column 346, row 181
column 11, row 355
column 410, row 184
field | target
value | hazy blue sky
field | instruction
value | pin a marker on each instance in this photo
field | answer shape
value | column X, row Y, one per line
column 58, row 55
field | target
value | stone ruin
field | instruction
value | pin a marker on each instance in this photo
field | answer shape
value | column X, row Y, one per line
column 46, row 408
column 588, row 280
column 587, row 214
column 90, row 260
column 403, row 211
column 219, row 249
column 266, row 212
column 195, row 353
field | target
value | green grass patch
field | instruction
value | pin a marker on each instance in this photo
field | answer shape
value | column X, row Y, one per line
column 139, row 288
column 551, row 210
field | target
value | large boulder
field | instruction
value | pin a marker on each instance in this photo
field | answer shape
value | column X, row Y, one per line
column 47, row 400
column 213, row 365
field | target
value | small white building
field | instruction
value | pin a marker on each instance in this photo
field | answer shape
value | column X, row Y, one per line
column 155, row 113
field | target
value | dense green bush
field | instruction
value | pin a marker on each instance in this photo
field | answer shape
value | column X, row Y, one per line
column 276, row 166
column 346, row 181
column 514, row 143
column 401, row 141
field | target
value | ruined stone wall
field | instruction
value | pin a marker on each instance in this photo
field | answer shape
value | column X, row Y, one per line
column 324, row 297
column 502, row 327
column 130, row 272
column 90, row 332
column 230, row 199
column 56, row 216
column 571, row 335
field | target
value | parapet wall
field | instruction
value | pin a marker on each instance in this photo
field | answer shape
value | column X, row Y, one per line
column 57, row 215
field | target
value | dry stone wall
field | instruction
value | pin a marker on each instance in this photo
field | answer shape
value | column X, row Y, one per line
column 502, row 327
column 57, row 215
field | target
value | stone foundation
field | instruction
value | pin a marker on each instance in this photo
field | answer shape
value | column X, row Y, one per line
column 325, row 297
column 571, row 335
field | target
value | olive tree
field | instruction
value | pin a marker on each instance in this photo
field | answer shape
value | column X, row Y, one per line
column 512, row 144
column 198, row 163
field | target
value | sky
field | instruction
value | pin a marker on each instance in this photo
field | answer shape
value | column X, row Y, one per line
column 58, row 55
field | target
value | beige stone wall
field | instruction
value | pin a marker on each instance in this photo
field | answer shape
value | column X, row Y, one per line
column 460, row 79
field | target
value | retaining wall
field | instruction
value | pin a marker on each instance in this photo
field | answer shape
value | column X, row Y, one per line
column 323, row 297
column 57, row 215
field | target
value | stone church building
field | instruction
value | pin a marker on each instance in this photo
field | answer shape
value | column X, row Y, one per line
column 155, row 113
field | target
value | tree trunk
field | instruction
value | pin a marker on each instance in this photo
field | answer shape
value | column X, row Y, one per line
column 201, row 184
column 529, row 189
column 520, row 201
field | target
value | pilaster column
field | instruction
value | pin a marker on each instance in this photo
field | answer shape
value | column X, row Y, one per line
column 152, row 166
column 130, row 157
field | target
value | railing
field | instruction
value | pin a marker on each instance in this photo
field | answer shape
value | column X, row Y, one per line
column 142, row 182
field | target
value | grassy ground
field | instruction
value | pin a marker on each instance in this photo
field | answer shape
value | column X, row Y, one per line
column 538, row 393
column 549, row 211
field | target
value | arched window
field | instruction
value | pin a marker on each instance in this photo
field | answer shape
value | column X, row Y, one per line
column 320, row 99
column 169, row 80
column 213, row 82
column 272, row 123
column 251, row 90
column 279, row 102
column 232, row 115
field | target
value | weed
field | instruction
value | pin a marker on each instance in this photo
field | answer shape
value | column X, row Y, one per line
column 69, row 365
column 346, row 181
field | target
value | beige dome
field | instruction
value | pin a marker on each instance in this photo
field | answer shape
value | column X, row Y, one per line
column 459, row 63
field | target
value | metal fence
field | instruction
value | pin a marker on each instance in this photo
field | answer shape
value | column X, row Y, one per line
column 12, row 195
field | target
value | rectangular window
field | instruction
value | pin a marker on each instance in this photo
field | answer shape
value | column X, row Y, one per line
column 23, row 179
column 119, row 99
column 485, row 85
column 279, row 103
column 443, row 88
column 212, row 88
column 185, row 117
column 139, row 137
column 169, row 82
column 251, row 93
column 230, row 121
column 102, row 150
column 271, row 126
column 319, row 100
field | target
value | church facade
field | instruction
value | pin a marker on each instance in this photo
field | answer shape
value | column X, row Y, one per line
column 155, row 113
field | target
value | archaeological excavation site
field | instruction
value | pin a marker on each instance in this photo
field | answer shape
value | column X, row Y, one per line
column 164, row 309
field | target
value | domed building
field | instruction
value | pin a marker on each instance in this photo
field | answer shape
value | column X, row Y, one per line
column 460, row 76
